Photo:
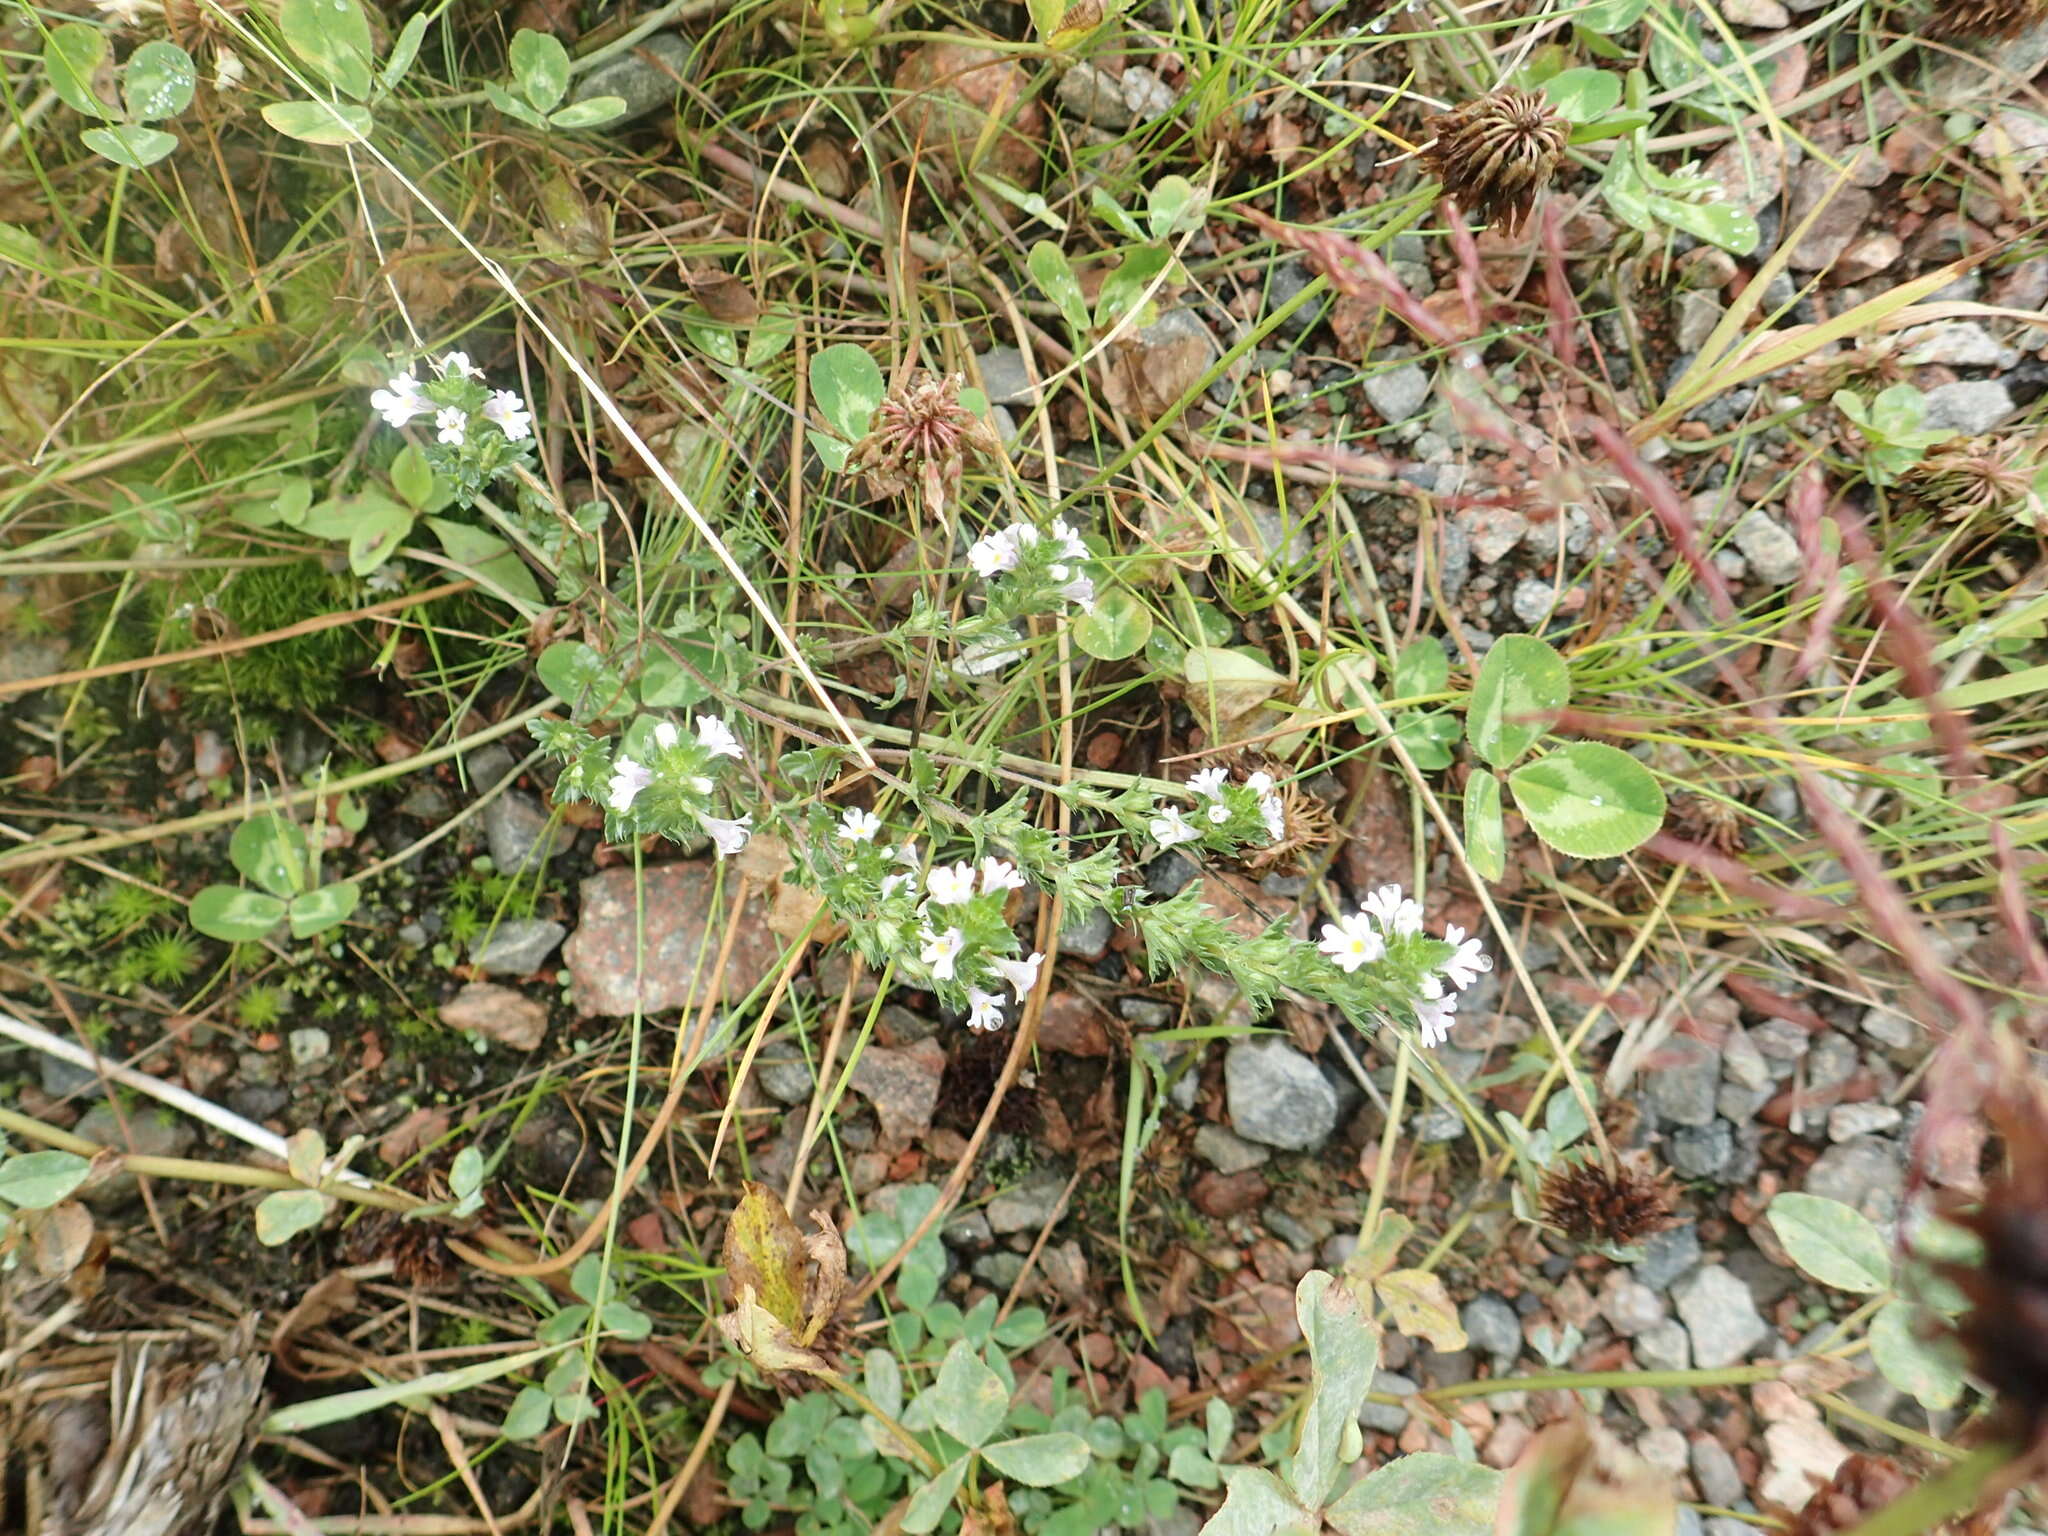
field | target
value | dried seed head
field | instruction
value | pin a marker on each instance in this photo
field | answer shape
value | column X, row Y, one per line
column 1983, row 18
column 1861, row 1486
column 2004, row 1330
column 1494, row 155
column 1972, row 476
column 1591, row 1204
column 923, row 436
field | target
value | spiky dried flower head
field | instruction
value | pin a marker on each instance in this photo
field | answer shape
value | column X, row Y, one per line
column 1983, row 18
column 1591, row 1203
column 1861, row 1486
column 2004, row 1329
column 1979, row 476
column 1496, row 154
column 923, row 436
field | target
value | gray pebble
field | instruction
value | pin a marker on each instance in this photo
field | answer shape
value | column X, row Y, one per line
column 1720, row 1316
column 1772, row 552
column 1388, row 1418
column 1969, row 408
column 1226, row 1151
column 1398, row 394
column 1494, row 1330
column 1667, row 1255
column 518, row 946
column 1715, row 1471
column 1277, row 1096
column 1702, row 1151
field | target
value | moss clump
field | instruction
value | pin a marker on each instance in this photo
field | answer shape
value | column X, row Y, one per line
column 306, row 672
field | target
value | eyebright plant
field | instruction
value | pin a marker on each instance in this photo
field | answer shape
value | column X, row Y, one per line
column 654, row 779
column 479, row 433
column 1227, row 817
column 1032, row 572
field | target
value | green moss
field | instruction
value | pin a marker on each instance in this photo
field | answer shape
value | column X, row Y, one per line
column 305, row 673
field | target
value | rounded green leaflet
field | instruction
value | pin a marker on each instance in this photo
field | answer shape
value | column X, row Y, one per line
column 1915, row 1359
column 847, row 384
column 541, row 66
column 1426, row 1494
column 35, row 1181
column 1119, row 626
column 1522, row 685
column 234, row 915
column 1583, row 95
column 319, row 122
column 158, row 81
column 72, row 55
column 1485, row 838
column 1589, row 800
column 1832, row 1242
column 129, row 144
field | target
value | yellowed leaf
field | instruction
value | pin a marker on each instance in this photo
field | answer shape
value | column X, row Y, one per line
column 765, row 1256
column 1421, row 1307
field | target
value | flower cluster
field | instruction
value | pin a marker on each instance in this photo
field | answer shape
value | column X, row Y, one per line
column 952, row 915
column 478, row 431
column 657, row 780
column 1033, row 572
column 1387, row 927
column 1227, row 816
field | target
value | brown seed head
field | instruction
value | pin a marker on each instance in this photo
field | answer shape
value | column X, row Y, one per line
column 1972, row 476
column 1590, row 1204
column 1494, row 155
column 1862, row 1486
column 922, row 436
column 1983, row 18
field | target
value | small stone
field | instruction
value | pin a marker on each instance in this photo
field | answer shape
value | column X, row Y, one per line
column 1026, row 1208
column 1720, row 1317
column 497, row 1013
column 663, row 935
column 1867, row 256
column 1438, row 1124
column 1951, row 344
column 1803, row 1457
column 1169, row 874
column 1277, row 1096
column 1970, row 408
column 1145, row 1012
column 1492, row 532
column 516, row 831
column 1889, row 1028
column 1094, row 96
column 1833, row 1061
column 141, row 1130
column 1698, row 314
column 1867, row 1174
column 1072, row 1025
column 1665, row 1449
column 1848, row 1121
column 647, row 77
column 1387, row 1418
column 63, row 1080
column 518, row 947
column 1398, row 394
column 967, row 1229
column 1769, row 547
column 1629, row 1306
column 1089, row 939
column 1666, row 1347
column 1679, row 1085
column 1756, row 13
column 1750, row 172
column 1719, row 1479
column 309, row 1047
column 1848, row 212
column 1742, row 1062
column 1533, row 601
column 903, row 1085
column 2014, row 139
column 1003, row 377
column 1781, row 1040
column 1493, row 1329
column 1226, row 1151
column 1223, row 1195
column 1148, row 97
column 786, row 1081
column 999, row 1270
column 1702, row 1151
column 1150, row 371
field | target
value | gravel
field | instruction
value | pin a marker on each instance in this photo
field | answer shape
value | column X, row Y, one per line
column 1848, row 1121
column 1867, row 1174
column 1665, row 1347
column 1719, row 1479
column 1680, row 1086
column 518, row 947
column 1721, row 1320
column 516, row 830
column 1277, row 1096
column 1769, row 547
column 1493, row 1329
column 1398, row 394
column 1667, row 1255
column 1630, row 1307
column 1226, row 1151
column 1968, row 408
column 1028, row 1207
column 1703, row 1151
column 1388, row 1418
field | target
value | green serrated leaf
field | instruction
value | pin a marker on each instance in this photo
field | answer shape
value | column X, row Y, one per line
column 926, row 1507
column 1583, row 95
column 285, row 1213
column 1915, row 1356
column 968, row 1397
column 272, row 851
column 1344, row 1347
column 332, row 38
column 540, row 65
column 234, row 914
column 591, row 112
column 317, row 911
column 1589, row 800
column 1040, row 1461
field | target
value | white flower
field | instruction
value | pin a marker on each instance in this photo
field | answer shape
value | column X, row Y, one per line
column 1398, row 917
column 1434, row 1019
column 702, row 785
column 716, row 737
column 400, row 400
column 628, row 779
column 453, row 363
column 1001, row 875
column 1022, row 535
column 1209, row 782
column 450, row 425
column 984, row 1009
column 994, row 554
column 908, row 855
column 228, row 69
column 1170, row 827
column 950, row 885
column 1352, row 941
column 727, row 837
column 123, row 13
column 1081, row 593
column 1069, row 541
column 1219, row 813
column 941, row 950
column 509, row 413
column 891, row 882
column 991, row 653
column 859, row 826
column 666, row 735
column 1020, row 974
column 1274, row 815
column 1463, row 968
